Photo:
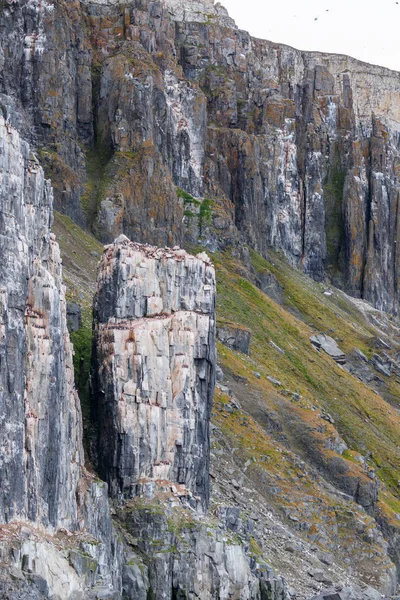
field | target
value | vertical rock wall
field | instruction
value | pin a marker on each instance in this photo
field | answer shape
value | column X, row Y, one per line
column 298, row 151
column 43, row 483
column 305, row 145
column 153, row 367
column 46, row 89
column 40, row 423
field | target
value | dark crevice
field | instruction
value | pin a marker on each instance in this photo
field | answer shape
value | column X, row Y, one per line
column 368, row 213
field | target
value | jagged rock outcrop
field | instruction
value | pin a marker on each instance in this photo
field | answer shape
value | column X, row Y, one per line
column 40, row 411
column 195, row 557
column 328, row 345
column 44, row 487
column 306, row 146
column 153, row 367
column 297, row 150
column 234, row 336
column 46, row 89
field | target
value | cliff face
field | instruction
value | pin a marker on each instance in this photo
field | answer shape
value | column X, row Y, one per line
column 153, row 369
column 40, row 411
column 164, row 121
column 155, row 354
column 45, row 489
column 297, row 151
column 46, row 88
column 153, row 375
column 307, row 147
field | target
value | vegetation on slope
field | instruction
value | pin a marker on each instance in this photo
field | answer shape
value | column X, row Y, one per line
column 368, row 424
column 80, row 253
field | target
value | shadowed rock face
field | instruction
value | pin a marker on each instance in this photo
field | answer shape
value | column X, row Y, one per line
column 153, row 367
column 40, row 422
column 234, row 337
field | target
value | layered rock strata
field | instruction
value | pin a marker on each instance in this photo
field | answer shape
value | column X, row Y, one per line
column 298, row 151
column 44, row 488
column 153, row 367
column 40, row 422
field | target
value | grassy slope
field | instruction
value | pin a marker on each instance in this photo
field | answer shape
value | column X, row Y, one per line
column 80, row 253
column 368, row 424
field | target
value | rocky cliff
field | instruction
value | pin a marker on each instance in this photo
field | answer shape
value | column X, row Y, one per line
column 45, row 490
column 163, row 121
column 155, row 106
column 57, row 538
column 153, row 368
column 39, row 406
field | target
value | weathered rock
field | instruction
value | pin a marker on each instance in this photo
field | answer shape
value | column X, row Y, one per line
column 46, row 89
column 268, row 284
column 234, row 336
column 357, row 365
column 293, row 157
column 219, row 374
column 40, row 422
column 193, row 554
column 153, row 367
column 328, row 345
column 381, row 365
column 73, row 316
column 297, row 150
column 41, row 466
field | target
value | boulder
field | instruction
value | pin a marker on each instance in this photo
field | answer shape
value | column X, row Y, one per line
column 233, row 336
column 328, row 345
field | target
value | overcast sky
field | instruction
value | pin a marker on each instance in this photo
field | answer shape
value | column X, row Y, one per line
column 366, row 29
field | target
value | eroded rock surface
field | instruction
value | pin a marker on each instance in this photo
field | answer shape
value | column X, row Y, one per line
column 234, row 337
column 297, row 151
column 41, row 450
column 42, row 475
column 328, row 345
column 154, row 366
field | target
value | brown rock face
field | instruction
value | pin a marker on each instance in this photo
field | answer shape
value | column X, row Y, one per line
column 296, row 151
column 153, row 367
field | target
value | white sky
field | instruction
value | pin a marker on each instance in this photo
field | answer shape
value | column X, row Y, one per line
column 366, row 29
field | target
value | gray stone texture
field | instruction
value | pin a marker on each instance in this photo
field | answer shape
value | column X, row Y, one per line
column 233, row 336
column 42, row 478
column 40, row 422
column 153, row 367
column 298, row 150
